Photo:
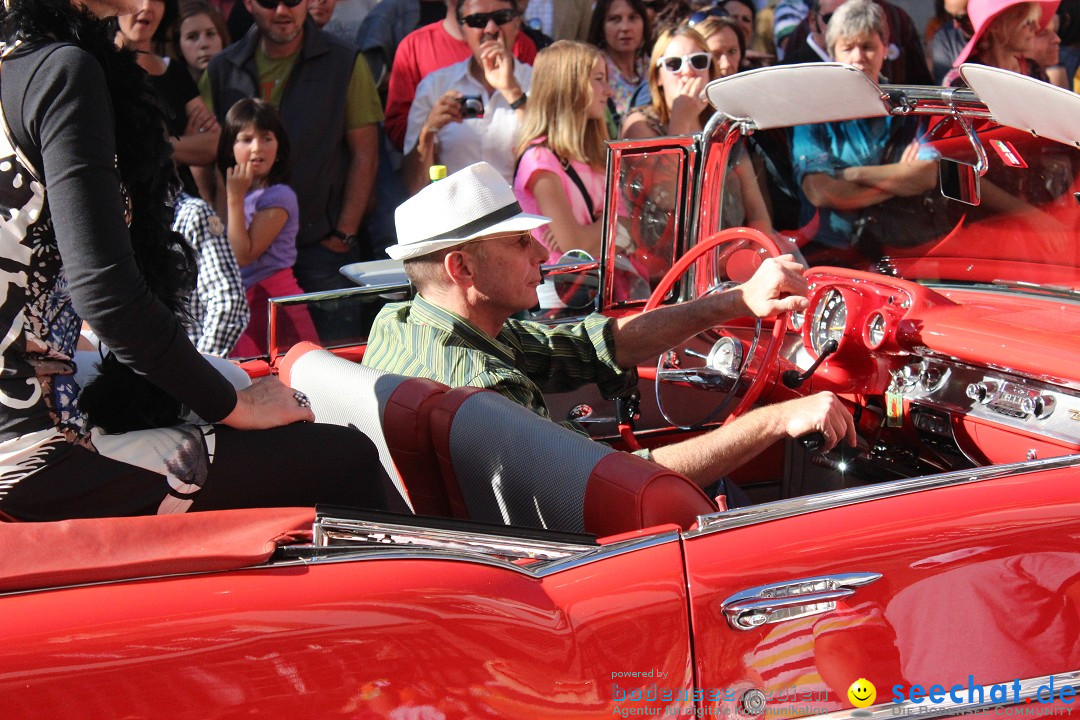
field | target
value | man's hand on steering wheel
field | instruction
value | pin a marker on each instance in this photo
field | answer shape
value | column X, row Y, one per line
column 777, row 286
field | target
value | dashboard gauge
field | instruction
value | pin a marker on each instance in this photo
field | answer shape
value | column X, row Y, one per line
column 875, row 330
column 796, row 320
column 726, row 355
column 829, row 320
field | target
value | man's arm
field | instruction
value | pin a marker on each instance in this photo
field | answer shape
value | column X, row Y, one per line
column 825, row 191
column 706, row 458
column 906, row 178
column 360, row 178
column 222, row 292
column 777, row 286
column 362, row 113
column 219, row 291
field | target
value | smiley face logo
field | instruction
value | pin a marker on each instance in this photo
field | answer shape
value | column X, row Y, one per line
column 862, row 693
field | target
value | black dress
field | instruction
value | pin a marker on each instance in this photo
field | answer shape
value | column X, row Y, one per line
column 177, row 89
column 66, row 256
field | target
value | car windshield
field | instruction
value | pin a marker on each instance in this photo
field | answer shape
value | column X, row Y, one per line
column 893, row 216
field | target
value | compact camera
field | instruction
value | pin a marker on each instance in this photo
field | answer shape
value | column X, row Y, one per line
column 472, row 106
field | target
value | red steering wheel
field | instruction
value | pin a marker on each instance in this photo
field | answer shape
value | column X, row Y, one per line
column 742, row 238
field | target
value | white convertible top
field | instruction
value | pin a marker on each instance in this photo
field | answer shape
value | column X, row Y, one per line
column 786, row 95
column 1026, row 103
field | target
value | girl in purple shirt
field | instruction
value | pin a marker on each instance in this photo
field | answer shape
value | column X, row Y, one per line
column 263, row 219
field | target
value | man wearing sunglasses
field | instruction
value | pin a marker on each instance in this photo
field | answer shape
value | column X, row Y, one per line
column 330, row 109
column 424, row 51
column 470, row 111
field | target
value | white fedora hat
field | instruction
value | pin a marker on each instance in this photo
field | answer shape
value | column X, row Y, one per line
column 472, row 203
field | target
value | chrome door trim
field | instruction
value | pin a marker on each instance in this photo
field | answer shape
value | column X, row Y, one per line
column 742, row 517
column 348, row 540
column 1028, row 690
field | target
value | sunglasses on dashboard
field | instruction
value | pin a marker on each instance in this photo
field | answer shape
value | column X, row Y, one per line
column 674, row 63
column 479, row 21
column 272, row 4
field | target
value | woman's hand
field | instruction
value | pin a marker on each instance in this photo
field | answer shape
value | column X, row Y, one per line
column 238, row 180
column 687, row 104
column 200, row 120
column 267, row 403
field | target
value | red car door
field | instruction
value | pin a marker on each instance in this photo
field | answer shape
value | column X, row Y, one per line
column 943, row 581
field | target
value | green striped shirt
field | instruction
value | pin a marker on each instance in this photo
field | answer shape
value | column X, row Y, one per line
column 526, row 360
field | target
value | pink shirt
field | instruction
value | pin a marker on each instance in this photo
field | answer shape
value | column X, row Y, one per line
column 537, row 159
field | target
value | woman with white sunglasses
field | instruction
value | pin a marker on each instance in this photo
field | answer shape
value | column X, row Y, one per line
column 680, row 68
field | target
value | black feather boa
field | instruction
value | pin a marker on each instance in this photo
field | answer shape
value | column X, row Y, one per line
column 118, row 399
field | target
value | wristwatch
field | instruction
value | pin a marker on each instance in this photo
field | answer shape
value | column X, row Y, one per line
column 519, row 102
column 349, row 239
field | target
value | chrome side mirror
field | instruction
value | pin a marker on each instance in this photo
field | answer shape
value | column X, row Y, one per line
column 575, row 278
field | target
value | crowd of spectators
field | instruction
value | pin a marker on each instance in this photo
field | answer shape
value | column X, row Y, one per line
column 464, row 81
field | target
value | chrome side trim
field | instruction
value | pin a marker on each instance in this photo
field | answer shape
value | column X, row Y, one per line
column 1028, row 690
column 346, row 540
column 741, row 517
column 301, row 555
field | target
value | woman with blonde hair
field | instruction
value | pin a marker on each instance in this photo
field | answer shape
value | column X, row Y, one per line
column 561, row 148
column 680, row 68
column 682, row 65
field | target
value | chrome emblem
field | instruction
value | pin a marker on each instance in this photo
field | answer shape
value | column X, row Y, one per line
column 1074, row 414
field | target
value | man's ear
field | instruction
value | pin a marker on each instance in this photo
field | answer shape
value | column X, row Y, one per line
column 247, row 6
column 458, row 267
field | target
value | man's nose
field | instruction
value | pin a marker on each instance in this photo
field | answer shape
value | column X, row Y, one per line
column 540, row 253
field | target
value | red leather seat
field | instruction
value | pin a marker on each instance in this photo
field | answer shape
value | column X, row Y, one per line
column 392, row 410
column 504, row 464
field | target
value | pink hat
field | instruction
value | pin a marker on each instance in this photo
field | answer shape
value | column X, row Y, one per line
column 983, row 12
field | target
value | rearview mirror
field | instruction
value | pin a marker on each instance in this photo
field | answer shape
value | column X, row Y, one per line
column 959, row 181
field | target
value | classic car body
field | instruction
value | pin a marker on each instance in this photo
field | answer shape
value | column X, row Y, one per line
column 939, row 560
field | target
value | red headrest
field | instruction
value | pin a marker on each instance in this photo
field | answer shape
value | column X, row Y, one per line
column 626, row 492
column 296, row 352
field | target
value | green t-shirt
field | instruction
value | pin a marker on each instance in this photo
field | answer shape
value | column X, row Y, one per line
column 362, row 106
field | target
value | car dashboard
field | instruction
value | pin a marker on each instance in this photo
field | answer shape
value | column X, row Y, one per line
column 941, row 378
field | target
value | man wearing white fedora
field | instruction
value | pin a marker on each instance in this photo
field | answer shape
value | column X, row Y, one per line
column 468, row 250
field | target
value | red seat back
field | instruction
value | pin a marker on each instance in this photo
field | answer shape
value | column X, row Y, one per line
column 504, row 464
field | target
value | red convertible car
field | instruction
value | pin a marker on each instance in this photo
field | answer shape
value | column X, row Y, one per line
column 932, row 570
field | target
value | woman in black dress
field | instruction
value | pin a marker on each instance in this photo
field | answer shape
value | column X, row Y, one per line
column 86, row 180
